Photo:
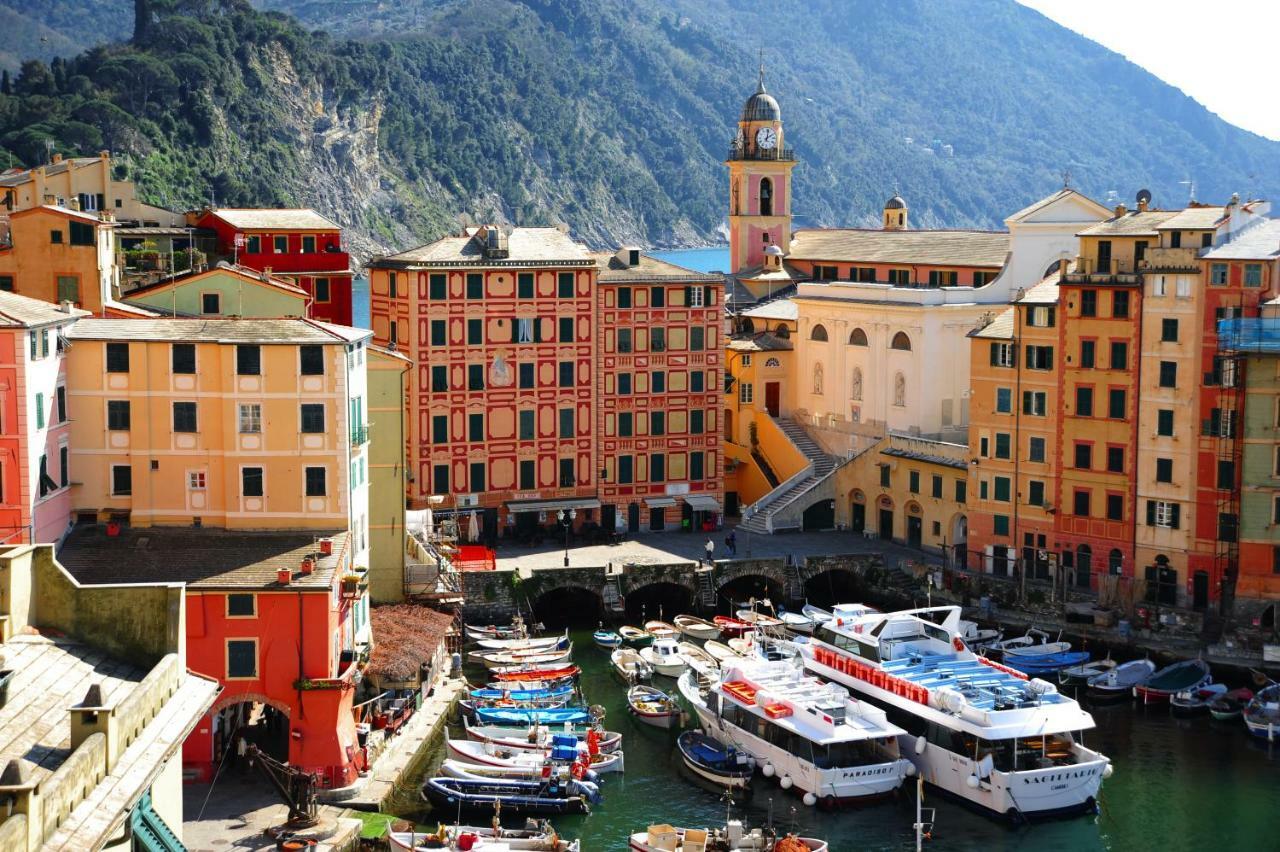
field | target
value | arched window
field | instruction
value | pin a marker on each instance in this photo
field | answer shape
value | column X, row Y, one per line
column 1115, row 560
column 900, row 390
column 782, row 332
column 901, row 341
column 748, row 327
column 857, row 337
column 856, row 391
column 819, row 333
column 766, row 197
column 773, row 362
column 817, row 378
column 901, row 219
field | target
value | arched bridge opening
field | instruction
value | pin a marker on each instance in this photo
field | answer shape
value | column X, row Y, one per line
column 568, row 606
column 838, row 585
column 658, row 600
column 737, row 593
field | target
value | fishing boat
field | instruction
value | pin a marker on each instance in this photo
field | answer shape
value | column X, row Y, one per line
column 720, row 764
column 664, row 656
column 1262, row 713
column 633, row 635
column 696, row 628
column 539, row 837
column 1038, row 649
column 661, row 629
column 1081, row 674
column 516, row 630
column 758, row 619
column 1230, row 705
column 531, row 673
column 730, row 627
column 982, row 732
column 1045, row 664
column 977, row 637
column 796, row 622
column 763, row 646
column 653, row 706
column 606, row 639
column 532, row 715
column 719, row 650
column 546, row 643
column 997, row 649
column 539, row 737
column 696, row 656
column 1190, row 702
column 558, row 748
column 1163, row 684
column 1120, row 681
column 630, row 666
column 732, row 838
column 518, row 696
column 816, row 614
column 517, row 772
column 532, row 798
column 503, row 660
column 810, row 735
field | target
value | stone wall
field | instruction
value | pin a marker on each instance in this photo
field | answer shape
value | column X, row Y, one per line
column 489, row 598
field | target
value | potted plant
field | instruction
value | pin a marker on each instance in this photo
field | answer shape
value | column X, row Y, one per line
column 350, row 584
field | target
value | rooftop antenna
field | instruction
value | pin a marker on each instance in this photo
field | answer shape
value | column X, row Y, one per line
column 1190, row 184
column 1066, row 178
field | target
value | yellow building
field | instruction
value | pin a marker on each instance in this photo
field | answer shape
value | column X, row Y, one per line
column 388, row 418
column 245, row 424
column 58, row 255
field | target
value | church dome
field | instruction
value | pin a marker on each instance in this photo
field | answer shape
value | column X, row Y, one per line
column 761, row 106
column 895, row 203
column 773, row 251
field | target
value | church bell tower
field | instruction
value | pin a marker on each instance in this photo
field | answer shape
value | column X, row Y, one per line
column 759, row 182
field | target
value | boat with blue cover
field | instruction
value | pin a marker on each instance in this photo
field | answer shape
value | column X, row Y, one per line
column 1043, row 664
column 532, row 715
column 721, row 764
column 522, row 695
column 524, row 798
column 606, row 639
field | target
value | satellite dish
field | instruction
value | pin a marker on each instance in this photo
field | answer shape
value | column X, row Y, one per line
column 1144, row 196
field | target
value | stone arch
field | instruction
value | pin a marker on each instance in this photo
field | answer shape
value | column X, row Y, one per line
column 857, row 337
column 240, row 697
column 659, row 599
column 819, row 333
column 567, row 602
column 901, row 342
column 748, row 326
column 832, row 585
column 766, row 197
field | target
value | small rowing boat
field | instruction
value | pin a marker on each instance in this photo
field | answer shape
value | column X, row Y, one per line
column 697, row 657
column 536, row 798
column 1190, row 702
column 1262, row 713
column 606, row 639
column 731, row 627
column 661, row 629
column 527, row 673
column 1080, row 674
column 455, row 838
column 653, row 706
column 633, row 635
column 719, row 651
column 1230, row 705
column 532, row 715
column 500, row 660
column 758, row 619
column 630, row 666
column 539, row 737
column 1046, row 664
column 1121, row 680
column 720, row 764
column 517, row 696
column 732, row 838
column 1165, row 683
column 546, row 643
column 558, row 748
column 696, row 628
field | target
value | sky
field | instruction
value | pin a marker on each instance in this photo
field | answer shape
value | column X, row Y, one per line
column 1220, row 53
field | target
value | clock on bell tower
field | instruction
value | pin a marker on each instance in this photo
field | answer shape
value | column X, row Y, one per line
column 760, row 167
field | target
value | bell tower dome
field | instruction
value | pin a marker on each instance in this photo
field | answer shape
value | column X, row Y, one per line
column 760, row 167
column 895, row 214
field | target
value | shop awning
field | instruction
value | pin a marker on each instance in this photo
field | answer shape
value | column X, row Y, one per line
column 659, row 502
column 702, row 502
column 552, row 505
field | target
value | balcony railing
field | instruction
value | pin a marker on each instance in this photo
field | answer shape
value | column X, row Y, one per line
column 784, row 155
column 1171, row 260
column 1090, row 270
column 359, row 435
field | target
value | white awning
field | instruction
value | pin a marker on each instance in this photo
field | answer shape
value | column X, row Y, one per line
column 552, row 505
column 702, row 502
column 659, row 502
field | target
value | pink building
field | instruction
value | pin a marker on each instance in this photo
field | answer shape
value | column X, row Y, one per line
column 35, row 482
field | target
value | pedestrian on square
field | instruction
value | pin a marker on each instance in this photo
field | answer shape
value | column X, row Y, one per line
column 731, row 542
column 710, row 548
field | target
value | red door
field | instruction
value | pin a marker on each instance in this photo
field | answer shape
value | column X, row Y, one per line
column 771, row 393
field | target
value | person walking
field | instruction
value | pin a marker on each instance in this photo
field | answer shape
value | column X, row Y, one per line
column 710, row 548
column 731, row 542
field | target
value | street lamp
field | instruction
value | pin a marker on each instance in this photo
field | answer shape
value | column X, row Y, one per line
column 566, row 521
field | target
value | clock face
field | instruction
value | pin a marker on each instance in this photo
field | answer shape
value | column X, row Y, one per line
column 766, row 138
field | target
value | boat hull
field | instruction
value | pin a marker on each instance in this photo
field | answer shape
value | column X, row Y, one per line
column 639, row 843
column 607, row 640
column 696, row 628
column 518, row 738
column 725, row 771
column 516, row 797
column 481, row 753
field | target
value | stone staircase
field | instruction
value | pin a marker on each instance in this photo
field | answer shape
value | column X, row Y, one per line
column 821, row 465
column 706, row 587
column 610, row 594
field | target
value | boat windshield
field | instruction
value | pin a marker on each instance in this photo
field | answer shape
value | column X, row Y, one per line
column 1023, row 753
column 847, row 643
column 837, row 755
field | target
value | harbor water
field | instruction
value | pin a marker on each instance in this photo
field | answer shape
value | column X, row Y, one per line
column 1178, row 784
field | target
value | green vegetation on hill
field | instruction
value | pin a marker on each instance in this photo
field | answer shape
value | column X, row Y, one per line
column 614, row 115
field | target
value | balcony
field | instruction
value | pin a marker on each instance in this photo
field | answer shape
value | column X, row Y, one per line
column 1089, row 270
column 296, row 263
column 1171, row 260
column 782, row 155
column 359, row 436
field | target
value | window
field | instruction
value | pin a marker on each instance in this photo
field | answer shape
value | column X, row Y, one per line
column 1217, row 273
column 696, row 422
column 819, row 333
column 697, row 466
column 253, row 244
column 117, row 357
column 475, row 332
column 913, row 481
column 625, row 427
column 322, row 290
column 1003, row 450
column 936, row 487
column 242, row 658
column 524, row 285
column 1115, row 459
column 1000, row 524
column 697, row 338
column 121, row 480
column 1080, row 503
column 1120, row 304
column 1169, row 330
column 566, row 374
column 1116, row 404
column 251, row 418
column 311, row 360
column 900, row 277
column 657, row 423
column 1119, row 355
column 477, row 476
column 68, row 288
column 568, row 473
column 39, row 411
column 183, row 358
column 524, row 330
column 624, row 297
column 1253, row 275
column 625, row 470
column 248, row 360
column 184, row 417
column 440, row 427
column 309, row 244
column 315, row 477
column 1002, row 354
column 440, row 377
column 1001, row 489
column 240, row 606
column 658, row 382
column 118, row 415
column 943, row 278
column 1035, row 450
column 1161, row 513
column 657, row 297
column 746, row 393
column 885, row 472
column 1035, row 403
column 1039, row 357
column 1222, row 424
column 1041, row 316
column 1168, row 374
column 657, row 339
column 1228, row 525
column 440, row 478
column 1087, row 349
column 528, row 471
column 568, row 428
column 55, row 236
column 310, row 417
column 475, row 377
column 858, row 337
column 60, row 403
column 1088, row 303
column 564, row 285
column 983, row 446
column 438, row 286
column 82, row 234
column 475, row 427
column 901, row 342
column 566, row 330
column 624, row 384
column 657, row 468
column 697, row 297
column 961, row 488
column 1164, row 470
column 1035, row 493
column 1083, row 456
column 696, row 382
column 6, row 283
column 1226, row 475
column 1164, row 422
column 1004, row 401
column 251, row 482
column 1115, row 507
column 280, row 244
column 1084, row 401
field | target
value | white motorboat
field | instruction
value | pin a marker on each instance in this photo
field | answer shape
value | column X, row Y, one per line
column 630, row 666
column 546, row 643
column 696, row 628
column 453, row 838
column 732, row 838
column 816, row 614
column 665, row 658
column 979, row 730
column 697, row 657
column 808, row 734
column 494, row 753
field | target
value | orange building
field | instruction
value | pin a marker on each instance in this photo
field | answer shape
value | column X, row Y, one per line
column 61, row 255
column 660, row 380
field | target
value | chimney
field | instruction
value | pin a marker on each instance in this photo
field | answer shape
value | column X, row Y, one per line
column 628, row 256
column 57, row 158
column 1121, row 210
column 92, row 716
column 104, row 155
column 66, row 306
column 1143, row 204
column 73, row 203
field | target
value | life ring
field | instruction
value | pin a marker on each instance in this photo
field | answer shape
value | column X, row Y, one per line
column 957, row 643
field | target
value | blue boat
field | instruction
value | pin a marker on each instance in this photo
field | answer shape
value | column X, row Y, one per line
column 522, row 695
column 607, row 639
column 524, row 716
column 531, row 798
column 1040, row 664
column 723, row 765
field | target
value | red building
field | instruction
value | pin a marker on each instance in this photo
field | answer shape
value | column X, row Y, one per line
column 298, row 244
column 279, row 644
